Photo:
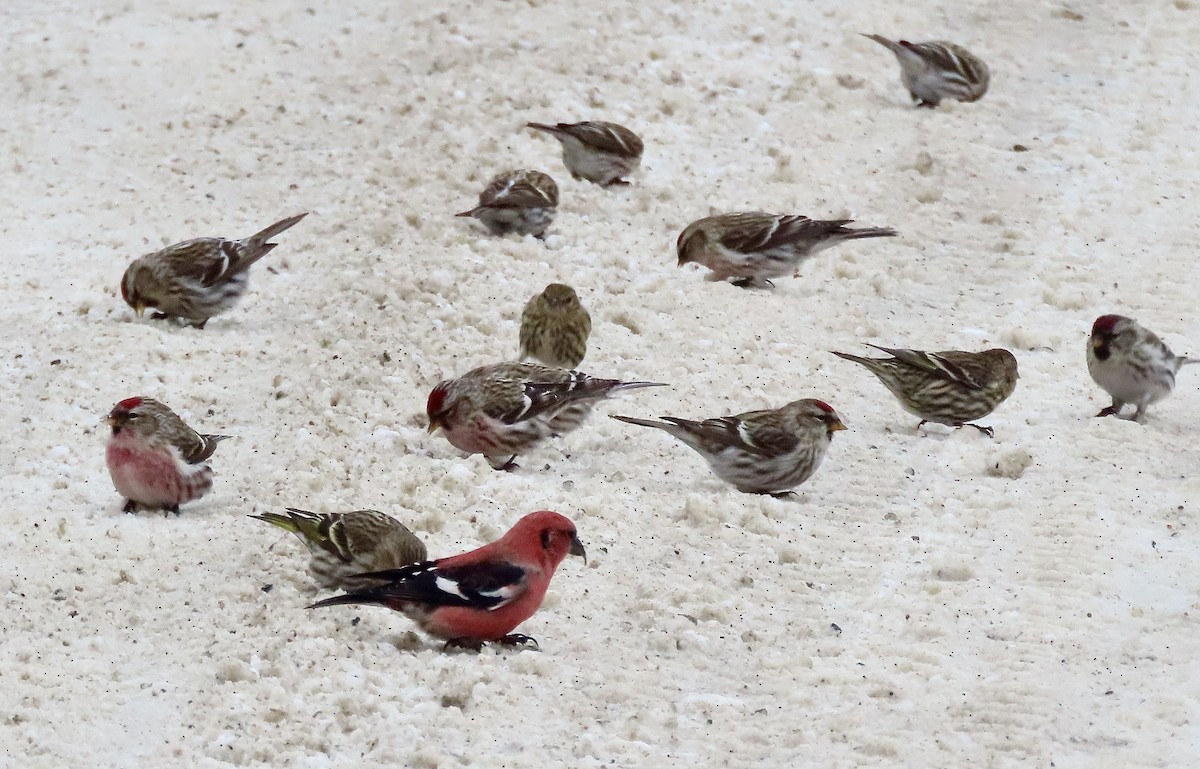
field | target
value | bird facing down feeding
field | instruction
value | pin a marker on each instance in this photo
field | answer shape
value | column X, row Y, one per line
column 482, row 595
column 155, row 460
column 555, row 328
column 597, row 151
column 938, row 70
column 523, row 202
column 504, row 409
column 760, row 452
column 752, row 248
column 950, row 388
column 197, row 279
column 344, row 545
column 1131, row 363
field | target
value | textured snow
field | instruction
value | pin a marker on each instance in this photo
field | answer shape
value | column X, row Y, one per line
column 1022, row 602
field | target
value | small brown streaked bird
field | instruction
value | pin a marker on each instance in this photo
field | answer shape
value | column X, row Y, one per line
column 938, row 70
column 196, row 279
column 596, row 150
column 555, row 328
column 521, row 201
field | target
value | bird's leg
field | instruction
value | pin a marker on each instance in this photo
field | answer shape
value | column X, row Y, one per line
column 200, row 326
column 130, row 506
column 753, row 282
column 782, row 494
column 989, row 432
column 463, row 643
column 921, row 424
column 519, row 639
column 508, row 466
column 171, row 509
column 159, row 316
column 1111, row 411
column 618, row 183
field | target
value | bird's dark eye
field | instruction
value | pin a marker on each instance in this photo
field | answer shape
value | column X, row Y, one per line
column 546, row 539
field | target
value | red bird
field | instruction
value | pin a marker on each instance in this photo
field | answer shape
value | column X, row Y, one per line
column 482, row 595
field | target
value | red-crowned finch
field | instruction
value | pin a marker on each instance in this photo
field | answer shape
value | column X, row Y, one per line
column 754, row 247
column 344, row 545
column 555, row 328
column 156, row 461
column 197, row 279
column 503, row 409
column 938, row 70
column 950, row 387
column 482, row 595
column 595, row 150
column 760, row 452
column 1131, row 363
column 523, row 202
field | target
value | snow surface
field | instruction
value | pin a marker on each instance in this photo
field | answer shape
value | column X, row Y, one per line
column 1022, row 602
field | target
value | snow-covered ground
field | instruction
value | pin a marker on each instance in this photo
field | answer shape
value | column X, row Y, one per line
column 1019, row 602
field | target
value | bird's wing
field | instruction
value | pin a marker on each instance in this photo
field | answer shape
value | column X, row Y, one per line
column 743, row 431
column 487, row 585
column 762, row 232
column 962, row 368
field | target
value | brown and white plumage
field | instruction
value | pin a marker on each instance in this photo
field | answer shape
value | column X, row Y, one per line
column 938, row 70
column 504, row 409
column 346, row 545
column 154, row 459
column 521, row 201
column 196, row 279
column 1131, row 363
column 949, row 387
column 760, row 452
column 555, row 327
column 596, row 150
column 754, row 247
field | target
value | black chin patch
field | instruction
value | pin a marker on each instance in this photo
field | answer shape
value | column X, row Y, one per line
column 1102, row 351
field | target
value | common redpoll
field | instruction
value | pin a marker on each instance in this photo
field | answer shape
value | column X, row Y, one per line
column 1131, row 363
column 938, row 70
column 503, row 409
column 197, row 279
column 555, row 327
column 345, row 545
column 156, row 461
column 517, row 201
column 755, row 247
column 948, row 387
column 760, row 452
column 595, row 150
column 481, row 595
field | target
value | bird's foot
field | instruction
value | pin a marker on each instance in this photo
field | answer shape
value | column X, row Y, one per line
column 507, row 466
column 753, row 283
column 463, row 643
column 130, row 506
column 618, row 183
column 1110, row 411
column 160, row 316
column 519, row 639
column 989, row 432
column 781, row 494
column 474, row 644
column 172, row 509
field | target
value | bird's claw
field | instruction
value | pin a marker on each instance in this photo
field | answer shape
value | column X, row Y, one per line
column 513, row 639
column 130, row 506
column 989, row 432
column 519, row 639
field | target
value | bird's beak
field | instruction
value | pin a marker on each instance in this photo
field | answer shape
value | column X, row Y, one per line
column 577, row 548
column 140, row 309
column 435, row 422
column 1097, row 342
column 833, row 428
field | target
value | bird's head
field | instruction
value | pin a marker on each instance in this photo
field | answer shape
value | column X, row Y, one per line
column 133, row 289
column 1103, row 330
column 691, row 241
column 560, row 296
column 439, row 406
column 554, row 534
column 135, row 414
column 822, row 412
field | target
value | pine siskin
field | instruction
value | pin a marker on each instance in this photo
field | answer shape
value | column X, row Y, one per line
column 346, row 545
column 156, row 461
column 504, row 409
column 523, row 202
column 595, row 150
column 759, row 452
column 555, row 328
column 947, row 387
column 1131, row 363
column 197, row 279
column 755, row 247
column 938, row 70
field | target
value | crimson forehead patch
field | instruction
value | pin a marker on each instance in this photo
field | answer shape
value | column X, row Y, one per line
column 130, row 403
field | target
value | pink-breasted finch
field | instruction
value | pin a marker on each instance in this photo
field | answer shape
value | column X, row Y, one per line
column 521, row 201
column 197, row 279
column 596, row 150
column 555, row 328
column 753, row 247
column 1131, row 363
column 938, row 70
column 483, row 595
column 760, row 452
column 503, row 409
column 949, row 387
column 344, row 545
column 156, row 461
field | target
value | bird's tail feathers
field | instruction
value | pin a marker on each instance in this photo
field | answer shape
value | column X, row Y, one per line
column 891, row 45
column 276, row 228
column 866, row 232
